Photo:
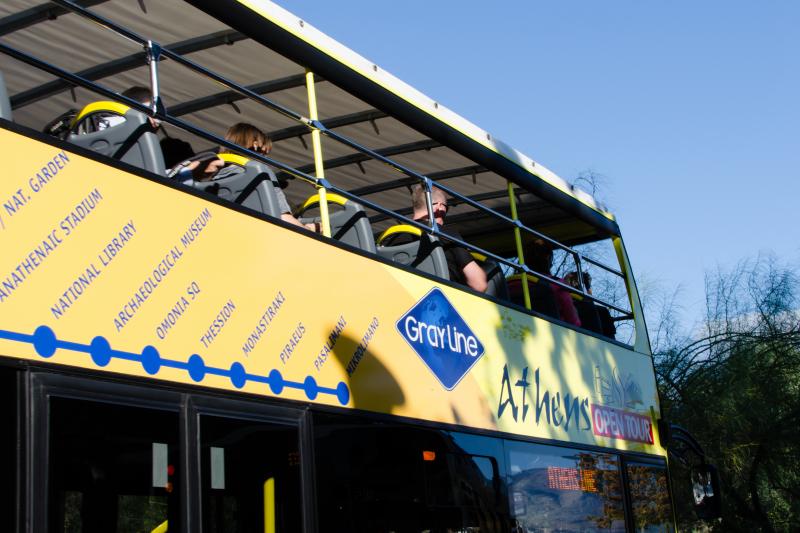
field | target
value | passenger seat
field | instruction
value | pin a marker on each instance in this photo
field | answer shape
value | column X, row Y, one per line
column 495, row 279
column 424, row 252
column 349, row 223
column 587, row 312
column 120, row 132
column 5, row 102
column 542, row 298
column 246, row 182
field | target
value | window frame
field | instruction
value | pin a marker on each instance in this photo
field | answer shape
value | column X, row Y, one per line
column 660, row 462
column 188, row 405
column 45, row 385
column 252, row 411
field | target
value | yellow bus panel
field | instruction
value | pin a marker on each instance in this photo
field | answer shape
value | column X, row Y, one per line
column 105, row 270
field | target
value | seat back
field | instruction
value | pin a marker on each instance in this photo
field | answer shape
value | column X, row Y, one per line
column 587, row 312
column 244, row 181
column 5, row 102
column 607, row 326
column 349, row 222
column 424, row 252
column 542, row 298
column 117, row 131
column 495, row 279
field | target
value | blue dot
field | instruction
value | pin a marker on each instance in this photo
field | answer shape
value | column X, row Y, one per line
column 342, row 393
column 238, row 377
column 100, row 351
column 44, row 341
column 275, row 382
column 151, row 360
column 310, row 385
column 197, row 368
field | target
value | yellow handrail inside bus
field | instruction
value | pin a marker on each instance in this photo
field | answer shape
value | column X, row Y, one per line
column 530, row 277
column 397, row 229
column 161, row 528
column 103, row 105
column 236, row 159
column 314, row 200
column 269, row 505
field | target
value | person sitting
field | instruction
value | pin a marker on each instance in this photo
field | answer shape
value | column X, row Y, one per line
column 137, row 93
column 594, row 317
column 201, row 170
column 462, row 267
column 250, row 137
column 546, row 297
column 198, row 170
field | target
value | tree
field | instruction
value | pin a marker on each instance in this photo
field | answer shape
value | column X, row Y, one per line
column 734, row 383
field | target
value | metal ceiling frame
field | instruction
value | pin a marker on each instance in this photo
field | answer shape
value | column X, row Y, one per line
column 359, row 157
column 230, row 97
column 37, row 14
column 359, row 117
column 405, row 182
column 195, row 44
column 123, row 64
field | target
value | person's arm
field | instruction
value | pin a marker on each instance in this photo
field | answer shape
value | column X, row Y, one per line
column 206, row 169
column 203, row 169
column 475, row 276
column 461, row 259
column 566, row 306
column 286, row 212
column 311, row 226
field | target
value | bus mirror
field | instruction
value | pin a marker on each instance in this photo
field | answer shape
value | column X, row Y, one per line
column 705, row 489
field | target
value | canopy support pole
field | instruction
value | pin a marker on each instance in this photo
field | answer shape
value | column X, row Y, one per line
column 316, row 143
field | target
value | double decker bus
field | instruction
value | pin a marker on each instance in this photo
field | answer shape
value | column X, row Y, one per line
column 180, row 352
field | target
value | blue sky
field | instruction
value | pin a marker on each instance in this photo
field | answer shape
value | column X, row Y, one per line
column 690, row 109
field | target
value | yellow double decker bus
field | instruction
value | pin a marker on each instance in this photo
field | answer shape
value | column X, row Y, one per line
column 390, row 321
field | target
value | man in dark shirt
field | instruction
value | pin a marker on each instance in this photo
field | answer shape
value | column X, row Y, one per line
column 463, row 268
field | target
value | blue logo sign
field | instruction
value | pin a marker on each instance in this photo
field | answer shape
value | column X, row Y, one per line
column 439, row 335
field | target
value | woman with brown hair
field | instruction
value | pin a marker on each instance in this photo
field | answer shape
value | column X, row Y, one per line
column 250, row 137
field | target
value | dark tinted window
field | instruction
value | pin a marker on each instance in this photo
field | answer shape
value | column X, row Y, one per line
column 560, row 489
column 112, row 468
column 652, row 509
column 250, row 476
column 8, row 448
column 380, row 477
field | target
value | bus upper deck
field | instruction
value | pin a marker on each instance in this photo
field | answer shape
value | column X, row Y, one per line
column 381, row 139
column 372, row 157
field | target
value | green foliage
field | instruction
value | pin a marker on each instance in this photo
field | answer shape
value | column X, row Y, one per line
column 735, row 385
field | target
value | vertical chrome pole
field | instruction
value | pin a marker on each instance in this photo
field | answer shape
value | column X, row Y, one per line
column 153, row 51
column 429, row 205
column 579, row 272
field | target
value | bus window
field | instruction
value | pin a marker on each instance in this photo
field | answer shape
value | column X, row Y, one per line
column 559, row 489
column 381, row 478
column 650, row 501
column 250, row 476
column 8, row 448
column 112, row 468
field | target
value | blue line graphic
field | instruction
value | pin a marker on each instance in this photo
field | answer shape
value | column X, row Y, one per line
column 46, row 344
